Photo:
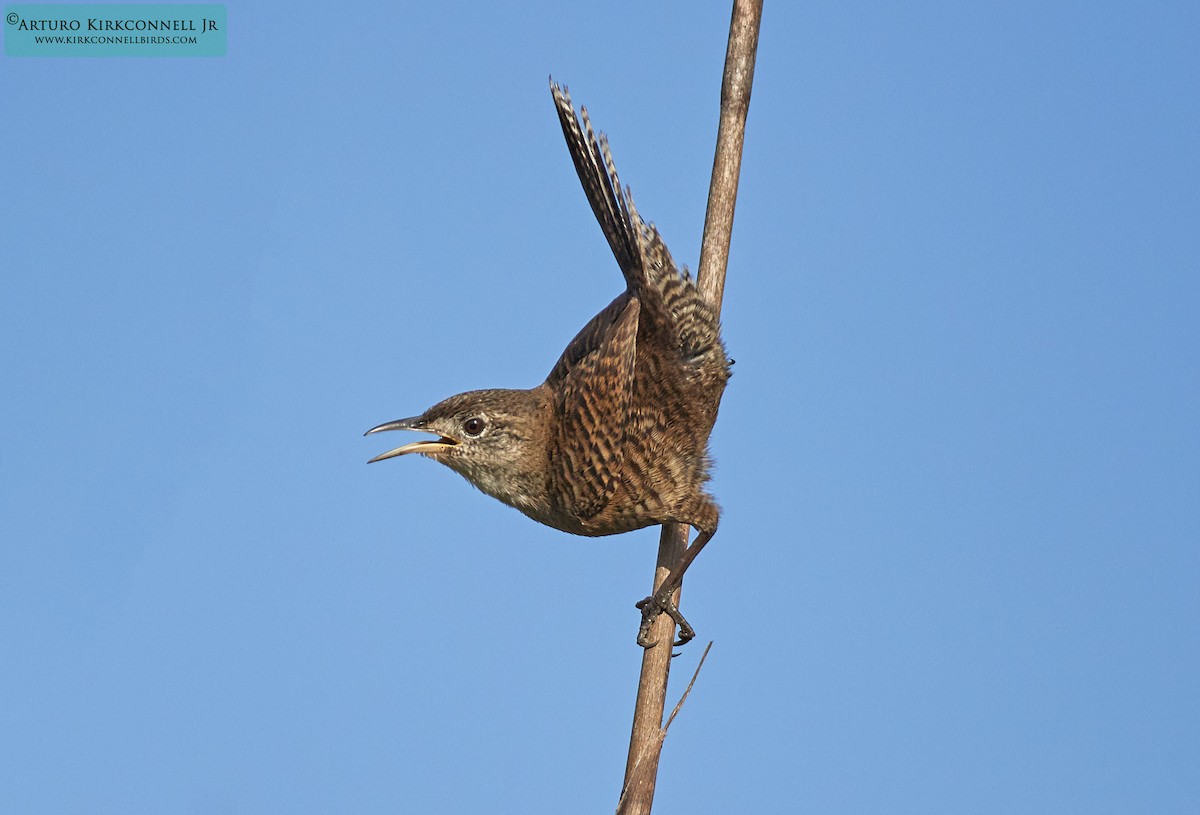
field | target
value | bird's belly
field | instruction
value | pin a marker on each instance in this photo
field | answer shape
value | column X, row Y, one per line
column 603, row 523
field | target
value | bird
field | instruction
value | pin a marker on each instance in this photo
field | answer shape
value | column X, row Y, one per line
column 616, row 437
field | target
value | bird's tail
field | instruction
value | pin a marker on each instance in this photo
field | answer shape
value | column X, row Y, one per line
column 612, row 204
column 670, row 301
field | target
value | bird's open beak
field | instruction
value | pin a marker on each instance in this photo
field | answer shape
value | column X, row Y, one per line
column 427, row 446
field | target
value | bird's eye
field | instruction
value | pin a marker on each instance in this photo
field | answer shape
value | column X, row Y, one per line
column 474, row 426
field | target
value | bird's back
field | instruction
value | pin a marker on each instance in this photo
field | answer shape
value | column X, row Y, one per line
column 637, row 390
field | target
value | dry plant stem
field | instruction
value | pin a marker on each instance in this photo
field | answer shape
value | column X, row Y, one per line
column 641, row 765
column 645, row 744
column 727, row 162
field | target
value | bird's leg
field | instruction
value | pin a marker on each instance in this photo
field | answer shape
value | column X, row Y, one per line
column 660, row 602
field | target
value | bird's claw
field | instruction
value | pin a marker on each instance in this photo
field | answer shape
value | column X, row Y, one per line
column 655, row 605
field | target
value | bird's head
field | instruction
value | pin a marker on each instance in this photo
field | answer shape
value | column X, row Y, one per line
column 496, row 439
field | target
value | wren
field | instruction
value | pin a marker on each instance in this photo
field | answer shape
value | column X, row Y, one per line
column 616, row 438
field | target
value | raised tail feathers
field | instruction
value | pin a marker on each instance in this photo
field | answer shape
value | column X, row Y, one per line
column 611, row 204
column 669, row 297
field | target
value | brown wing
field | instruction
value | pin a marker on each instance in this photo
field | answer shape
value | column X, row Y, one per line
column 593, row 382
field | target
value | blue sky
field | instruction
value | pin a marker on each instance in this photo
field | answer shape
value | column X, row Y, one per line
column 959, row 563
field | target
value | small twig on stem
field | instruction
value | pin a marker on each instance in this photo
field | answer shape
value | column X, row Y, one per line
column 662, row 733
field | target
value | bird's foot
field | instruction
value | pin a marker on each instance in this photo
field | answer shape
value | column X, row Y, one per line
column 655, row 605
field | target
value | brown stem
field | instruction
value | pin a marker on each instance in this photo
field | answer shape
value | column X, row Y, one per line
column 645, row 742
